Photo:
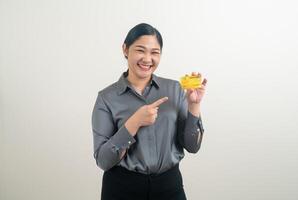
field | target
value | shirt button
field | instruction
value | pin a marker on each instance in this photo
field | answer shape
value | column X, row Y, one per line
column 129, row 142
column 198, row 129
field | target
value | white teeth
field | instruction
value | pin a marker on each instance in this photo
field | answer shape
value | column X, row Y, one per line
column 145, row 66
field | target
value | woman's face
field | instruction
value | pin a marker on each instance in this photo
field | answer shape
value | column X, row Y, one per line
column 143, row 56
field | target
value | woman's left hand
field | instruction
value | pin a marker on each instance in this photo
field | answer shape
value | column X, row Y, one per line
column 195, row 96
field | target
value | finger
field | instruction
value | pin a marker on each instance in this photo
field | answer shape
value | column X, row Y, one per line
column 204, row 82
column 152, row 111
column 202, row 87
column 196, row 74
column 159, row 102
column 189, row 91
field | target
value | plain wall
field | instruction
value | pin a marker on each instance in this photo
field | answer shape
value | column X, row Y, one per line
column 55, row 56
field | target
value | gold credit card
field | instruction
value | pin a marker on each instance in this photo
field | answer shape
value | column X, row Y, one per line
column 190, row 82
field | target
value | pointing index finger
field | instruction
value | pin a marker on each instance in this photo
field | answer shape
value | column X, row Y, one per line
column 159, row 102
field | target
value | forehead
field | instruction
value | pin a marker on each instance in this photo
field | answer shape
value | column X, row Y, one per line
column 147, row 41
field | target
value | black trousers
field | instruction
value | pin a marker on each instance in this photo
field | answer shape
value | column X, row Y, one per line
column 119, row 183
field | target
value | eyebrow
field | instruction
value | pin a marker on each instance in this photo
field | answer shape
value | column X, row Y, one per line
column 140, row 46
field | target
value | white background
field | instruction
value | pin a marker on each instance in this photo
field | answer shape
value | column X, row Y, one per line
column 56, row 55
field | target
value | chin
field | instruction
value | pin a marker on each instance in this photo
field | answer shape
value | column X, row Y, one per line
column 144, row 75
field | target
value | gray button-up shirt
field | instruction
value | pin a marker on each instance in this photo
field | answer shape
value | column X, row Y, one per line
column 155, row 148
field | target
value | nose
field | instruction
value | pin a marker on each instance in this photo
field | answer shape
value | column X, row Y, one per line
column 147, row 58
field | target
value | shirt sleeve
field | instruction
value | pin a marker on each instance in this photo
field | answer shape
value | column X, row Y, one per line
column 190, row 127
column 108, row 141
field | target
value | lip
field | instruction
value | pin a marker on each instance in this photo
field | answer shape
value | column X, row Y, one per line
column 144, row 67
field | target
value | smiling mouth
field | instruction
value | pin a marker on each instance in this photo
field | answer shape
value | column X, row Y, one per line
column 145, row 67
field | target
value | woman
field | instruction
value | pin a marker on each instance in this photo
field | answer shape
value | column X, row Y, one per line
column 142, row 123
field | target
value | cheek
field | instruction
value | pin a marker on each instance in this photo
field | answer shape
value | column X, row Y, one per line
column 156, row 60
column 133, row 59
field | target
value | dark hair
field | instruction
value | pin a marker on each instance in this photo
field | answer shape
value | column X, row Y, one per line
column 140, row 30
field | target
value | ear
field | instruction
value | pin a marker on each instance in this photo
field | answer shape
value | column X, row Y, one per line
column 125, row 50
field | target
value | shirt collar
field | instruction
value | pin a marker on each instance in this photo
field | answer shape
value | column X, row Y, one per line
column 124, row 85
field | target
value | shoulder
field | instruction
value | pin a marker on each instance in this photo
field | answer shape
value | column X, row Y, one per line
column 112, row 88
column 109, row 92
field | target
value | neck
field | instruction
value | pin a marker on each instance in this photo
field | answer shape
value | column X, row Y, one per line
column 137, row 83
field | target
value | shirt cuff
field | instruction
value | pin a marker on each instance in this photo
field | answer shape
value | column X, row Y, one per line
column 122, row 139
column 194, row 123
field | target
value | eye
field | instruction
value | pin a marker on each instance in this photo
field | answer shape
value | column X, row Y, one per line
column 140, row 50
column 155, row 53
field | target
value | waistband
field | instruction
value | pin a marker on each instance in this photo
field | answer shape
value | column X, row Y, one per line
column 123, row 170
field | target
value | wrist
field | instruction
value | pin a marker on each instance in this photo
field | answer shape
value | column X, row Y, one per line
column 132, row 126
column 194, row 109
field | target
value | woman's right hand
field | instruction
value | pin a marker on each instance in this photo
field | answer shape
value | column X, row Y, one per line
column 144, row 116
